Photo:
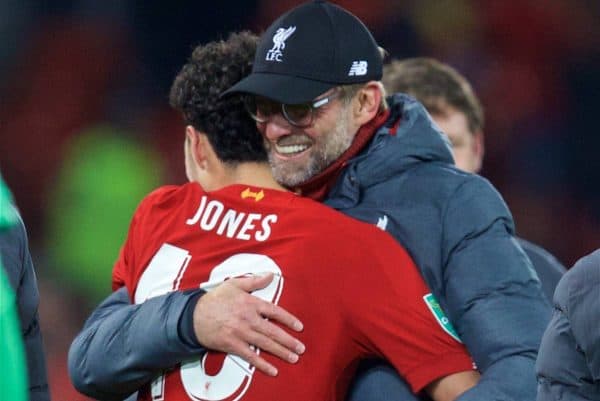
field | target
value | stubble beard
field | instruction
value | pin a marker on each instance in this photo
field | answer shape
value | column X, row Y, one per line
column 328, row 148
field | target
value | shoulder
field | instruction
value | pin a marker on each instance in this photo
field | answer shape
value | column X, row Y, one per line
column 580, row 284
column 327, row 222
column 14, row 250
column 577, row 296
column 546, row 264
column 168, row 195
column 477, row 197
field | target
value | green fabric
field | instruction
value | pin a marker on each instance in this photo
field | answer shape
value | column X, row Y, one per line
column 13, row 379
column 8, row 214
column 104, row 175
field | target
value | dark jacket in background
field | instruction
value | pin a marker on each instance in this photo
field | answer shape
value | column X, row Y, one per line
column 568, row 365
column 547, row 267
column 16, row 260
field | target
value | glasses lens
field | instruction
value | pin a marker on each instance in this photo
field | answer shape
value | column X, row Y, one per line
column 260, row 109
column 298, row 114
column 250, row 105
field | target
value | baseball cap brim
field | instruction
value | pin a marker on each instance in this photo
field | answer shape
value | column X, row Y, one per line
column 280, row 88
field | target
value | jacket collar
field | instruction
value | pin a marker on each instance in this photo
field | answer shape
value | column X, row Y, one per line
column 408, row 138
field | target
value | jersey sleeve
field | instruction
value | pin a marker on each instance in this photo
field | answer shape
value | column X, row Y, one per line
column 401, row 320
column 124, row 268
column 122, row 273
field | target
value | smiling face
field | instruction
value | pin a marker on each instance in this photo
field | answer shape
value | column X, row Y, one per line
column 297, row 154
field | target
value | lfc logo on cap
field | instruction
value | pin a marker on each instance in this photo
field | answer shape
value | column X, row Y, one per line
column 279, row 39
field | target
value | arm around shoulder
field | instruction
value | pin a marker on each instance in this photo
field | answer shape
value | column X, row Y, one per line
column 114, row 356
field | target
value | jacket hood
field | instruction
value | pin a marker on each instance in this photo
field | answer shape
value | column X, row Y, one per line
column 407, row 138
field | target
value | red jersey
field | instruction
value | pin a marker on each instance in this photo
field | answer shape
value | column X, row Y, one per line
column 355, row 289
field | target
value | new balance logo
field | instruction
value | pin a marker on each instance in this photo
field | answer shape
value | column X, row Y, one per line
column 358, row 68
column 382, row 222
column 276, row 52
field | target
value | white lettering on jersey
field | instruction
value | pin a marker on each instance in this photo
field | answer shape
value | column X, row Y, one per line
column 231, row 223
column 211, row 215
column 266, row 228
column 163, row 275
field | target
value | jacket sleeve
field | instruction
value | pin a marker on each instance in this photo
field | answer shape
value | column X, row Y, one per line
column 491, row 293
column 123, row 346
column 16, row 259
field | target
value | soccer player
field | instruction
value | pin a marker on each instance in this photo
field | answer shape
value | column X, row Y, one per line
column 234, row 220
column 384, row 162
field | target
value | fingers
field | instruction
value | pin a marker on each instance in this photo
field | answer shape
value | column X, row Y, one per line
column 230, row 319
column 267, row 309
column 252, row 283
column 280, row 315
column 242, row 349
column 272, row 339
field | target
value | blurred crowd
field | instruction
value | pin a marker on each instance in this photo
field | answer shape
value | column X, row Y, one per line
column 86, row 131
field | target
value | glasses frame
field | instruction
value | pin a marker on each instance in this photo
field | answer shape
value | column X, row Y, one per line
column 250, row 101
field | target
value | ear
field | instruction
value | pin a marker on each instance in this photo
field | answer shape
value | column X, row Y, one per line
column 367, row 102
column 197, row 146
column 478, row 149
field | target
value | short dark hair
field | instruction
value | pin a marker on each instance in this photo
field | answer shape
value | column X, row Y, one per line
column 211, row 69
column 436, row 85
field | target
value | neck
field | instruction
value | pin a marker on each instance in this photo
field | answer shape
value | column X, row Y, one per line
column 255, row 174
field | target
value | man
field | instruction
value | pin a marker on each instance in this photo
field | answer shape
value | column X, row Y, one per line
column 568, row 365
column 455, row 108
column 393, row 167
column 16, row 260
column 451, row 102
column 388, row 166
column 13, row 381
column 233, row 220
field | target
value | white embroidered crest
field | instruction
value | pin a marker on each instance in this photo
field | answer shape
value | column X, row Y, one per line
column 276, row 52
column 358, row 68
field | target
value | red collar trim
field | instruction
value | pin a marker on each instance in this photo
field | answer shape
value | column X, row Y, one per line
column 318, row 186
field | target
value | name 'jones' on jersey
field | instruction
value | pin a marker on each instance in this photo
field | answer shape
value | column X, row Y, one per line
column 213, row 216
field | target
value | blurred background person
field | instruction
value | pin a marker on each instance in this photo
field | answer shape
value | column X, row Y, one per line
column 13, row 381
column 18, row 291
column 456, row 109
column 568, row 364
column 70, row 66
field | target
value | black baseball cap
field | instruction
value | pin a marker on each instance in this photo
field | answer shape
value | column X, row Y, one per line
column 309, row 50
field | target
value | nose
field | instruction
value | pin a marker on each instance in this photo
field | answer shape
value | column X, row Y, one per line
column 276, row 127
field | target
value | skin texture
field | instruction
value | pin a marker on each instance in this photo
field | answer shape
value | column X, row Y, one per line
column 328, row 137
column 467, row 146
column 229, row 318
